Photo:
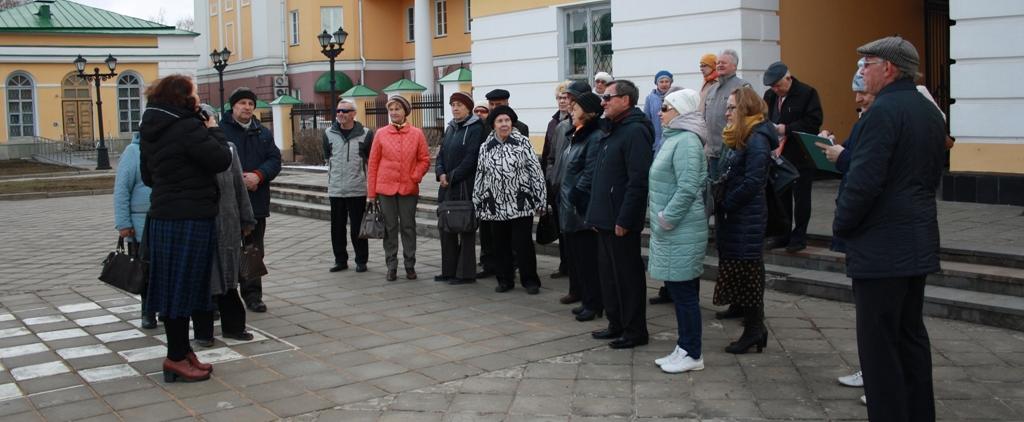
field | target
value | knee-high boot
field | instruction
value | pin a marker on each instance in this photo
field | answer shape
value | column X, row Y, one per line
column 754, row 332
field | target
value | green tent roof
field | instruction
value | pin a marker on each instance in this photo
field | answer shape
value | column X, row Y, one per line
column 342, row 82
column 459, row 75
column 70, row 17
column 404, row 85
column 259, row 104
column 360, row 91
column 285, row 99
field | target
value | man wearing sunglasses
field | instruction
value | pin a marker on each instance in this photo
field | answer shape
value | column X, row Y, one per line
column 346, row 149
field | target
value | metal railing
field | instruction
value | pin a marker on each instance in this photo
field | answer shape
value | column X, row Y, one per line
column 65, row 152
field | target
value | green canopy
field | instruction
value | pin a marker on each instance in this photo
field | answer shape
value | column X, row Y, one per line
column 342, row 82
column 360, row 91
column 285, row 99
column 259, row 104
column 404, row 85
column 458, row 75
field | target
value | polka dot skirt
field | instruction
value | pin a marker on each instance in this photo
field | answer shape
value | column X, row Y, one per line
column 740, row 282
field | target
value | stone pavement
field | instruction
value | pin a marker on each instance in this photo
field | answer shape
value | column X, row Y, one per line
column 347, row 346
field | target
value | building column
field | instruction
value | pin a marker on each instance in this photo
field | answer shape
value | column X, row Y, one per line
column 424, row 46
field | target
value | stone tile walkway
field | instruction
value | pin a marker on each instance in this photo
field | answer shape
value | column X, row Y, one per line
column 347, row 346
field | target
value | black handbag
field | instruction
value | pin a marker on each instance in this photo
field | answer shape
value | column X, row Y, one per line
column 372, row 226
column 782, row 174
column 125, row 271
column 250, row 264
column 547, row 228
column 457, row 216
column 714, row 193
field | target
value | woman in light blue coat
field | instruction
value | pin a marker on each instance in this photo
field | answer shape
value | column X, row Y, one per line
column 131, row 203
column 679, row 228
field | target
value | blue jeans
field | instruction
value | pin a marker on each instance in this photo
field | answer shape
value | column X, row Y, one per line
column 686, row 296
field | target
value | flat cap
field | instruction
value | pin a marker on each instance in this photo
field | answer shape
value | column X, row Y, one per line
column 577, row 88
column 497, row 94
column 896, row 50
column 775, row 72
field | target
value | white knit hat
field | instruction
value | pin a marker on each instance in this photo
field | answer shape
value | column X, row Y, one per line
column 684, row 100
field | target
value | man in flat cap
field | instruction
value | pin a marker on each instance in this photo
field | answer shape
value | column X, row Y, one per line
column 793, row 106
column 499, row 97
column 887, row 215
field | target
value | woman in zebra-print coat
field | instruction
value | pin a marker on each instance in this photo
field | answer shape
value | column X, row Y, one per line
column 508, row 190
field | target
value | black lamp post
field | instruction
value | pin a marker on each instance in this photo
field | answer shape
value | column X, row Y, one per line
column 220, row 61
column 332, row 48
column 102, row 157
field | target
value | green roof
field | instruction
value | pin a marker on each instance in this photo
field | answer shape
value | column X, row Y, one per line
column 459, row 75
column 342, row 82
column 285, row 99
column 259, row 104
column 404, row 85
column 360, row 91
column 70, row 17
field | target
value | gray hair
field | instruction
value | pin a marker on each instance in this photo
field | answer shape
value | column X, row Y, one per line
column 731, row 53
column 349, row 102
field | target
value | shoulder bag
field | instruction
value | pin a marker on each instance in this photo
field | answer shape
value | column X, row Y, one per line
column 125, row 271
column 782, row 174
column 457, row 216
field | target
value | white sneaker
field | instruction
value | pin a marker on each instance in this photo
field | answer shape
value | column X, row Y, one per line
column 683, row 364
column 864, row 400
column 853, row 380
column 678, row 351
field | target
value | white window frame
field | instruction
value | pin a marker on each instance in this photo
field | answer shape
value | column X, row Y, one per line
column 341, row 19
column 21, row 113
column 229, row 5
column 568, row 45
column 469, row 18
column 246, row 2
column 133, row 124
column 440, row 18
column 410, row 24
column 214, row 7
column 293, row 29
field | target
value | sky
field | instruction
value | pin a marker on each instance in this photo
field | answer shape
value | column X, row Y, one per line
column 173, row 9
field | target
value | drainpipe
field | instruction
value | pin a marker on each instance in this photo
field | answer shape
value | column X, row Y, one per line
column 284, row 38
column 362, row 57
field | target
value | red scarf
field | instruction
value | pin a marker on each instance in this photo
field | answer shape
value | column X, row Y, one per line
column 711, row 76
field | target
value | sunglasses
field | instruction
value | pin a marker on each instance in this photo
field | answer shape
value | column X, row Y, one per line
column 608, row 97
column 345, row 110
column 665, row 108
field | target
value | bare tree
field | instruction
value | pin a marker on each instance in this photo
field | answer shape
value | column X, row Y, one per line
column 161, row 17
column 7, row 4
column 186, row 23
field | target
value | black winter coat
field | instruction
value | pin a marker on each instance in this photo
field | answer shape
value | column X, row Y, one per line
column 618, row 196
column 740, row 222
column 801, row 112
column 180, row 159
column 457, row 157
column 886, row 211
column 579, row 160
column 258, row 153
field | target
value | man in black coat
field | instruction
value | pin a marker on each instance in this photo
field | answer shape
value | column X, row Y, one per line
column 261, row 162
column 888, row 216
column 618, row 204
column 794, row 107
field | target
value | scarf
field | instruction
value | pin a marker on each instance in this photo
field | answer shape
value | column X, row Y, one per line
column 399, row 126
column 711, row 76
column 736, row 137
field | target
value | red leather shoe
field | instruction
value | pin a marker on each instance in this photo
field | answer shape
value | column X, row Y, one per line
column 194, row 360
column 183, row 371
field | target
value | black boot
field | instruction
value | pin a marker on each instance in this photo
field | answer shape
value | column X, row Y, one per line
column 754, row 332
column 733, row 312
column 662, row 297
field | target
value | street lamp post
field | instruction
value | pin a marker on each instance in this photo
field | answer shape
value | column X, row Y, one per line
column 102, row 157
column 332, row 48
column 220, row 61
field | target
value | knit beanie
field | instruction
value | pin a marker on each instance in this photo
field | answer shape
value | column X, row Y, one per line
column 709, row 59
column 240, row 94
column 482, row 104
column 589, row 102
column 401, row 101
column 662, row 74
column 684, row 100
column 603, row 76
column 463, row 98
column 500, row 110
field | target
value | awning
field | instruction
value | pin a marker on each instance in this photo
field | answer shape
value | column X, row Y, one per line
column 342, row 82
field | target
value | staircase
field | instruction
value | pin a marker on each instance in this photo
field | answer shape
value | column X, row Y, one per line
column 973, row 286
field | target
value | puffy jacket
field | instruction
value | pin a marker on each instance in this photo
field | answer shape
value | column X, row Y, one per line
column 679, row 229
column 346, row 160
column 618, row 196
column 578, row 162
column 259, row 154
column 509, row 183
column 131, row 196
column 457, row 157
column 740, row 222
column 398, row 161
column 180, row 158
column 886, row 212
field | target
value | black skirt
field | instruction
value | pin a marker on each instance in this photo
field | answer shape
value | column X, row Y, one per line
column 740, row 282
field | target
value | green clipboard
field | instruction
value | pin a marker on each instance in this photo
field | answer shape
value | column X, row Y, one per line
column 821, row 162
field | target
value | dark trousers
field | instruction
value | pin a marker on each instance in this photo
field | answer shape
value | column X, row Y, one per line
column 458, row 254
column 895, row 354
column 352, row 209
column 581, row 248
column 623, row 283
column 232, row 316
column 486, row 248
column 797, row 203
column 178, row 345
column 513, row 241
column 686, row 297
column 562, row 255
column 252, row 290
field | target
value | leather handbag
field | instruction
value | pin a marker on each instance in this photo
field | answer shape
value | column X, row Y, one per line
column 457, row 215
column 547, row 228
column 125, row 271
column 714, row 193
column 782, row 174
column 250, row 264
column 372, row 226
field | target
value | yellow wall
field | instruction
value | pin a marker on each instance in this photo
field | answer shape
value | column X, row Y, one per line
column 455, row 42
column 47, row 78
column 496, row 7
column 78, row 40
column 987, row 158
column 214, row 33
column 246, row 52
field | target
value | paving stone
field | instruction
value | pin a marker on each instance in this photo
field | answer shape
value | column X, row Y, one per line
column 165, row 411
column 661, row 408
column 297, row 405
column 604, row 388
column 137, row 398
column 351, row 393
column 402, row 382
column 796, row 409
column 69, row 395
column 247, row 414
column 481, row 385
column 400, row 416
column 421, row 402
column 551, row 370
column 76, row 410
column 540, row 406
column 216, row 402
column 605, row 406
column 481, row 403
column 373, row 370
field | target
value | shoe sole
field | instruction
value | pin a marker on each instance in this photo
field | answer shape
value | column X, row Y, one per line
column 694, row 369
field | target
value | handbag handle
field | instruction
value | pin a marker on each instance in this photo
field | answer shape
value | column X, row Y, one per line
column 465, row 195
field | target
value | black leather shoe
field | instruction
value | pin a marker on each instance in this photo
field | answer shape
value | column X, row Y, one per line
column 657, row 300
column 502, row 288
column 360, row 268
column 148, row 321
column 578, row 309
column 627, row 343
column 458, row 281
column 243, row 336
column 484, row 274
column 558, row 274
column 796, row 247
column 204, row 342
column 776, row 243
column 443, row 278
column 392, row 275
column 257, row 306
column 605, row 334
column 339, row 267
column 588, row 315
column 568, row 298
column 532, row 290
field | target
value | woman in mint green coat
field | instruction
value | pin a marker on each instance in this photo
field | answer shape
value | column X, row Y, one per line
column 679, row 228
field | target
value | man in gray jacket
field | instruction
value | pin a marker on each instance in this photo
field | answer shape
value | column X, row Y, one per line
column 714, row 105
column 346, row 148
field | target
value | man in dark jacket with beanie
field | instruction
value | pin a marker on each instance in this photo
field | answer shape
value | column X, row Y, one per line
column 261, row 162
column 618, row 203
column 888, row 216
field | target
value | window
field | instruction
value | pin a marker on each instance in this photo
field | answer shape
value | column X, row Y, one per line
column 20, row 106
column 293, row 27
column 230, row 36
column 469, row 18
column 229, row 5
column 330, row 19
column 213, row 7
column 588, row 41
column 129, row 103
column 440, row 18
column 410, row 16
column 246, row 2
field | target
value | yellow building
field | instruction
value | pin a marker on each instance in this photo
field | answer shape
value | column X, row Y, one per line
column 43, row 95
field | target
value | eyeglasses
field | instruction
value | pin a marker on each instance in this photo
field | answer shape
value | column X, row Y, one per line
column 730, row 108
column 345, row 110
column 608, row 97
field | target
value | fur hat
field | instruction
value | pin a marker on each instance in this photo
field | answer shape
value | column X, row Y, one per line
column 401, row 101
column 241, row 94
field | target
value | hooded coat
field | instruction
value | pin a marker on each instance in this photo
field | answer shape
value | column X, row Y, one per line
column 741, row 221
column 618, row 195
